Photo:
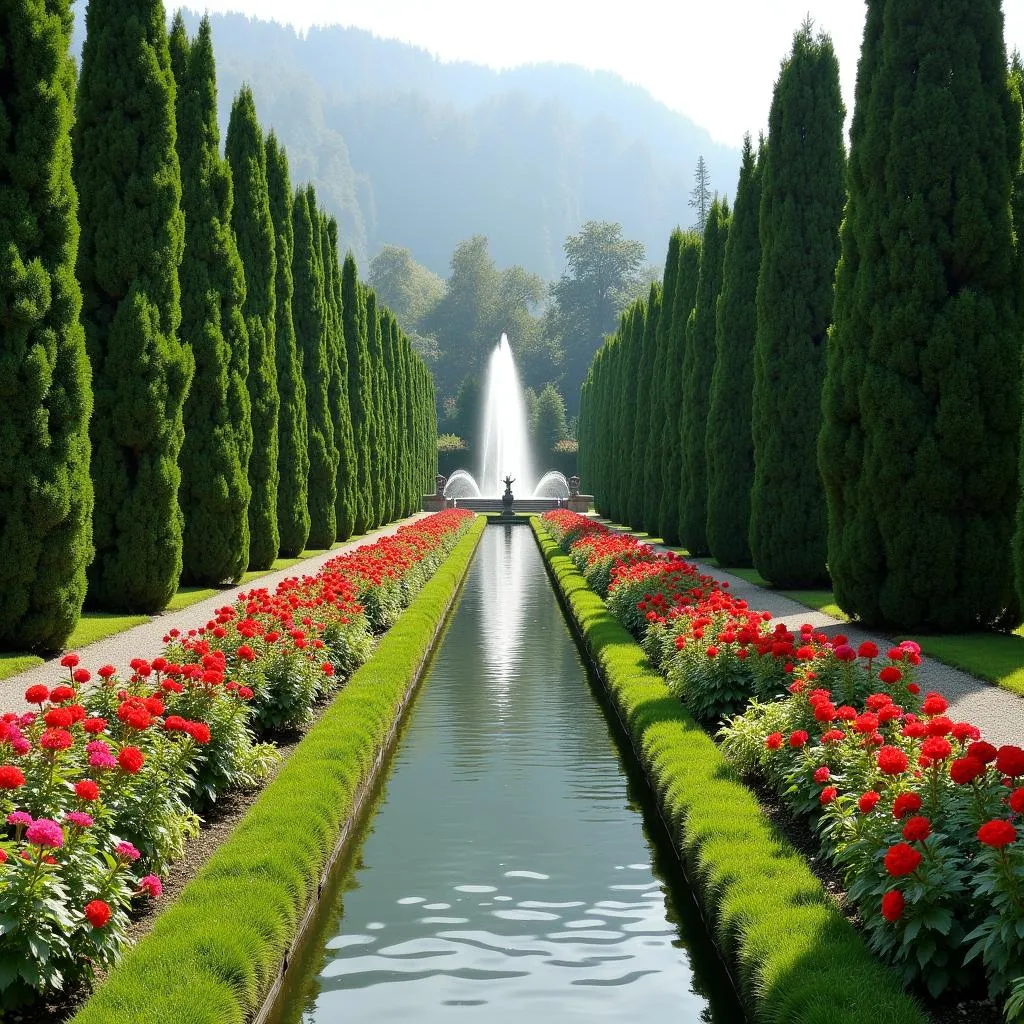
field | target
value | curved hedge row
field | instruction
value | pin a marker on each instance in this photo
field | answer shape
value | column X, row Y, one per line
column 213, row 955
column 794, row 955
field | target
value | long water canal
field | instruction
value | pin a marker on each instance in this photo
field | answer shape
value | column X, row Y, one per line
column 514, row 868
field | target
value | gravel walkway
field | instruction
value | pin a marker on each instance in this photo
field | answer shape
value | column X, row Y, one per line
column 147, row 640
column 997, row 712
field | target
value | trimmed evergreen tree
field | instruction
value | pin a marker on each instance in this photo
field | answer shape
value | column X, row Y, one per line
column 390, row 414
column 214, row 492
column 358, row 389
column 626, row 404
column 46, row 493
column 642, row 417
column 687, row 276
column 729, row 442
column 802, row 195
column 129, row 187
column 927, row 322
column 697, row 368
column 254, row 229
column 403, row 493
column 375, row 435
column 346, row 496
column 293, row 435
column 654, row 455
column 309, row 316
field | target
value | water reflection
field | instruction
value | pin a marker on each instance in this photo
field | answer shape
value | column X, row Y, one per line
column 506, row 874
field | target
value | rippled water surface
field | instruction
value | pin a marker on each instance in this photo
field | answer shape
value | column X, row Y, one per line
column 507, row 873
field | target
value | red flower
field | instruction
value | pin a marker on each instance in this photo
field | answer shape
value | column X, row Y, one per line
column 868, row 650
column 866, row 723
column 868, row 801
column 97, row 913
column 828, row 794
column 936, row 748
column 892, row 905
column 964, row 770
column 904, row 804
column 825, row 711
column 69, row 660
column 983, row 751
column 797, row 738
column 997, row 833
column 964, row 731
column 774, row 742
column 58, row 718
column 175, row 723
column 199, row 731
column 87, row 790
column 892, row 760
column 1017, row 800
column 917, row 829
column 246, row 653
column 61, row 694
column 130, row 759
column 37, row 694
column 327, row 668
column 106, row 671
column 81, row 675
column 833, row 736
column 822, row 774
column 940, row 726
column 889, row 675
column 11, row 777
column 55, row 739
column 1010, row 761
column 902, row 859
column 934, row 704
column 94, row 725
column 844, row 652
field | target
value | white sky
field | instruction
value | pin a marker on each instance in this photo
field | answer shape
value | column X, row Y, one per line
column 714, row 60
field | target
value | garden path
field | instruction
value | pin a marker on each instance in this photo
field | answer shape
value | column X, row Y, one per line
column 147, row 640
column 997, row 712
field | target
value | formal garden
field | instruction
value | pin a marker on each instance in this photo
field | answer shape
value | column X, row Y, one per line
column 293, row 728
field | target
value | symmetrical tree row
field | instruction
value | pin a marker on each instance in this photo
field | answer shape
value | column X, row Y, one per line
column 236, row 393
column 861, row 422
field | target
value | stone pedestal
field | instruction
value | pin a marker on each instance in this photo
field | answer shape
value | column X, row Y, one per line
column 580, row 503
column 434, row 503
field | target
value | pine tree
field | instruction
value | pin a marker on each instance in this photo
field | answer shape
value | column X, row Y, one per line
column 129, row 187
column 358, row 389
column 927, row 318
column 687, row 276
column 254, row 229
column 697, row 367
column 214, row 492
column 46, row 494
column 293, row 435
column 346, row 496
column 375, row 434
column 309, row 316
column 729, row 443
column 654, row 455
column 802, row 195
column 700, row 197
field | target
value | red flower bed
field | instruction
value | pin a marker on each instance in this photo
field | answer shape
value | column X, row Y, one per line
column 99, row 785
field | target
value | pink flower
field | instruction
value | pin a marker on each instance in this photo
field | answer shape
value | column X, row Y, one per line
column 79, row 819
column 19, row 818
column 45, row 833
column 127, row 852
column 152, row 885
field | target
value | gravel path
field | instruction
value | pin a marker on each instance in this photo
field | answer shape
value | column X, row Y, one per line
column 997, row 712
column 147, row 640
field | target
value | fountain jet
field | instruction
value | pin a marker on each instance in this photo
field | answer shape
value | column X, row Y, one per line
column 506, row 448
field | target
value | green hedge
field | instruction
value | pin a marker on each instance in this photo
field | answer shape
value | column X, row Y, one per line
column 215, row 952
column 793, row 954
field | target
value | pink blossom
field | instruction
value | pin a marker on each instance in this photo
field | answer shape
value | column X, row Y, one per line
column 79, row 819
column 127, row 852
column 46, row 833
column 19, row 818
column 152, row 885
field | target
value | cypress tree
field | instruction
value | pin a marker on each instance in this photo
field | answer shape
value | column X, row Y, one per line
column 687, row 276
column 390, row 414
column 654, row 455
column 927, row 317
column 358, row 389
column 802, row 195
column 346, row 497
column 254, row 229
column 402, row 490
column 626, row 406
column 45, row 383
column 129, row 187
column 309, row 316
column 642, row 419
column 375, row 435
column 214, row 492
column 697, row 367
column 729, row 443
column 293, row 435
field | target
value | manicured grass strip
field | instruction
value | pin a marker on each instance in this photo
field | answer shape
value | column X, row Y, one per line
column 214, row 953
column 795, row 957
column 995, row 657
column 12, row 664
column 93, row 626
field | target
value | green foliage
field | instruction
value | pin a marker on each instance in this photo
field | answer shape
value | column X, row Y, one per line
column 346, row 500
column 254, row 230
column 293, row 434
column 215, row 491
column 645, row 385
column 359, row 393
column 549, row 426
column 129, row 186
column 46, row 494
column 309, row 313
column 729, row 442
column 697, row 367
column 214, row 953
column 919, row 456
column 375, row 433
column 687, row 276
column 802, row 195
column 771, row 917
column 624, row 408
column 390, row 344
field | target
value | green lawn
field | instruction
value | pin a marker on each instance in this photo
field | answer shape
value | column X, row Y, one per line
column 997, row 657
column 12, row 664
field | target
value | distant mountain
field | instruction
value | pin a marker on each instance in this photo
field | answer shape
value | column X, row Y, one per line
column 411, row 151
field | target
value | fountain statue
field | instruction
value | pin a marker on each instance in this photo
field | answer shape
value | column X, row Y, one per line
column 436, row 502
column 507, row 498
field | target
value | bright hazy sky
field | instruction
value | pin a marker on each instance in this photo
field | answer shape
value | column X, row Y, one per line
column 715, row 60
